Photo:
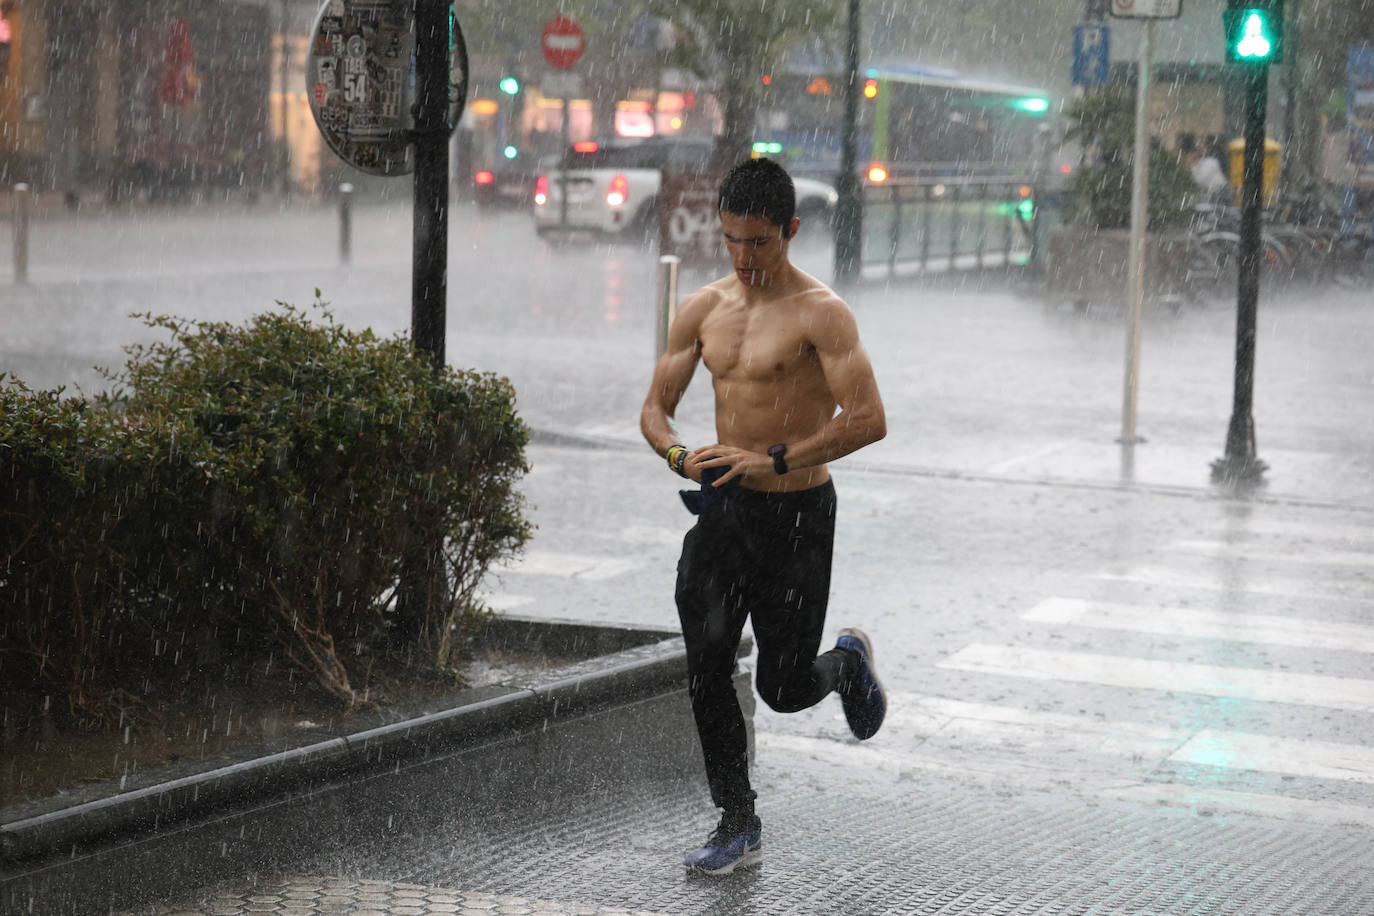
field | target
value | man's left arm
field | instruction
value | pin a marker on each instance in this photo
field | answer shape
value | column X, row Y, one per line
column 849, row 374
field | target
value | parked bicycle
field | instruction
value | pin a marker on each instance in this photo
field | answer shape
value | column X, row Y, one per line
column 1305, row 241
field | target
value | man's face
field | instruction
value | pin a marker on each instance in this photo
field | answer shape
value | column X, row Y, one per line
column 757, row 246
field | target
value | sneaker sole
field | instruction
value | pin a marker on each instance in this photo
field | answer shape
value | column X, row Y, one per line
column 862, row 637
column 748, row 860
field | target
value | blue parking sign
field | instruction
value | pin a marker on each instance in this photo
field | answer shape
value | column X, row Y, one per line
column 1091, row 58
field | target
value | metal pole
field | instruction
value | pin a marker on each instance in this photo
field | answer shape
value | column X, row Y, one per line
column 565, row 133
column 284, row 164
column 849, row 214
column 1291, row 75
column 665, row 306
column 956, row 225
column 21, row 234
column 345, row 222
column 895, row 231
column 1241, row 463
column 927, row 222
column 422, row 571
column 1140, row 179
column 429, row 279
column 982, row 224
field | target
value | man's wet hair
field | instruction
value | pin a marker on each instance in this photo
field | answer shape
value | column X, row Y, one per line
column 759, row 187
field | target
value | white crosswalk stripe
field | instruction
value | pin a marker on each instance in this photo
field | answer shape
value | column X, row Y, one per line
column 1325, row 530
column 1289, row 756
column 1195, row 623
column 1158, row 674
column 993, row 774
column 1310, row 555
column 1258, row 583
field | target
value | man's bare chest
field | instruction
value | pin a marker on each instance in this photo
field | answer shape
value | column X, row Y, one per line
column 758, row 349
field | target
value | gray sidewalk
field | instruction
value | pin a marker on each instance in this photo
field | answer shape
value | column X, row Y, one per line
column 864, row 845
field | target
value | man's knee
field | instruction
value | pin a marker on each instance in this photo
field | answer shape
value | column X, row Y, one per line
column 786, row 694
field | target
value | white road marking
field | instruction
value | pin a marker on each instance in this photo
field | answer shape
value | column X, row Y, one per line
column 1289, row 529
column 1212, row 800
column 1012, row 463
column 1309, row 554
column 938, row 717
column 1232, row 581
column 1001, row 775
column 1289, row 756
column 1194, row 623
column 1154, row 674
column 571, row 565
column 650, row 536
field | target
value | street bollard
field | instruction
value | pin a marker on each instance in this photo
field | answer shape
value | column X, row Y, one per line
column 21, row 233
column 666, row 302
column 345, row 222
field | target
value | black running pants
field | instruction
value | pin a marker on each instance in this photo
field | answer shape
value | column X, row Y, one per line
column 765, row 556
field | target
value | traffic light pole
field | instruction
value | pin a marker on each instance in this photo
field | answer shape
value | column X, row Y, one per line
column 1241, row 464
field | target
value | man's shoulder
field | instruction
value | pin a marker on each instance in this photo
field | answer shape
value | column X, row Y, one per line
column 814, row 294
column 697, row 305
column 705, row 297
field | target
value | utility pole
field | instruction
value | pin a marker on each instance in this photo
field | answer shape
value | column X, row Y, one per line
column 849, row 213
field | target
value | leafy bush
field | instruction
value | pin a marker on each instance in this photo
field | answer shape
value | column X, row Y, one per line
column 283, row 484
column 1105, row 119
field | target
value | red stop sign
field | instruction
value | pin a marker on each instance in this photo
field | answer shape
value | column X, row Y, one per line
column 562, row 42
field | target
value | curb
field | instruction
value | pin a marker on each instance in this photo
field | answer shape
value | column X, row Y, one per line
column 524, row 741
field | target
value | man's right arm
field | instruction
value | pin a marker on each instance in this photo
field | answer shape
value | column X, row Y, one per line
column 672, row 375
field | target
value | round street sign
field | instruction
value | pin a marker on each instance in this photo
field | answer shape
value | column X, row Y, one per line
column 360, row 71
column 562, row 41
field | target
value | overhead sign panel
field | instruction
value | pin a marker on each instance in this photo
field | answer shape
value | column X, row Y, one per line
column 1147, row 9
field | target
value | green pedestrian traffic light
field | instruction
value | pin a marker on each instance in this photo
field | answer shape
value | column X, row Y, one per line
column 1254, row 31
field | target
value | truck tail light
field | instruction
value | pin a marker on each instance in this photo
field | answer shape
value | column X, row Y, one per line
column 483, row 177
column 541, row 191
column 620, row 189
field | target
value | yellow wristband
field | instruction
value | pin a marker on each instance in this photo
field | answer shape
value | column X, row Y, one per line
column 677, row 459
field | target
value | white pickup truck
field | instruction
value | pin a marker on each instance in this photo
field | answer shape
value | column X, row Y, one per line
column 613, row 187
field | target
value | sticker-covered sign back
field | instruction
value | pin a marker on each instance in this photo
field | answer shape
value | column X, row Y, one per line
column 360, row 76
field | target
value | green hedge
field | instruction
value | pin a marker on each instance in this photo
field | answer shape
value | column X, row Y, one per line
column 283, row 487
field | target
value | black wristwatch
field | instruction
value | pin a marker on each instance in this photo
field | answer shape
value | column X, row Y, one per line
column 779, row 455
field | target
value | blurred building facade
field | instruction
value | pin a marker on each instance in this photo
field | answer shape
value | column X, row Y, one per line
column 138, row 97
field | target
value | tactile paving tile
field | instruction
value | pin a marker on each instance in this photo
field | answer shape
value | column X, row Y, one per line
column 840, row 847
column 927, row 849
column 328, row 896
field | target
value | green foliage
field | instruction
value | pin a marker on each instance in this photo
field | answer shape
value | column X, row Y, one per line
column 285, row 483
column 1105, row 119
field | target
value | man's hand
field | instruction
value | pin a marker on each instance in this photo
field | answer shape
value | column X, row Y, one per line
column 741, row 463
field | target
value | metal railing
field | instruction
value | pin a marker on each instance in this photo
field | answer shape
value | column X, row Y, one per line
column 926, row 225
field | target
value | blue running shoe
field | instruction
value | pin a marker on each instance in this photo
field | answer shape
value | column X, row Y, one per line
column 864, row 700
column 731, row 846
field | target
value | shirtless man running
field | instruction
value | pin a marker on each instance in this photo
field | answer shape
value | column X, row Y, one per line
column 794, row 389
